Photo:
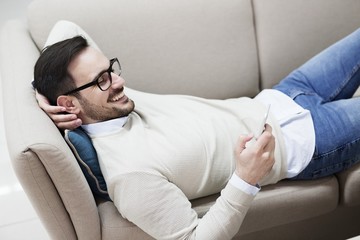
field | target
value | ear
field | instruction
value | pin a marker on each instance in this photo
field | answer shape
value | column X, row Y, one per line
column 70, row 103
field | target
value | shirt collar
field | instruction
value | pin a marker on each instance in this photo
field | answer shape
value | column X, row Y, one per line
column 105, row 127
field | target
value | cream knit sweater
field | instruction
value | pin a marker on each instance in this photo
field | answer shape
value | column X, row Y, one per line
column 175, row 148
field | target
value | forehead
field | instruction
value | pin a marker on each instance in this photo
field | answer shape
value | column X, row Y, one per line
column 86, row 65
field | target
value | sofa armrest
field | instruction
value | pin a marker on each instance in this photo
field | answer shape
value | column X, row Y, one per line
column 41, row 159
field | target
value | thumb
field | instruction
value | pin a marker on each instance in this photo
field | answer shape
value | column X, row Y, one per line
column 243, row 139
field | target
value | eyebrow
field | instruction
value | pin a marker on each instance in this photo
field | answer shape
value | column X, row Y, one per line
column 101, row 73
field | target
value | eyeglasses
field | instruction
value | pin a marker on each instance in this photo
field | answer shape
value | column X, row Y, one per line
column 103, row 80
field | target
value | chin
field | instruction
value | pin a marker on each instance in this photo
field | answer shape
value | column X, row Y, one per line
column 126, row 108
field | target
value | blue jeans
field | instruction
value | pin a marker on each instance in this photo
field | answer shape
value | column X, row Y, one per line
column 325, row 85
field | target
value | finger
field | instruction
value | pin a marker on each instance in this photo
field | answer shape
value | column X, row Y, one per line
column 271, row 145
column 45, row 105
column 268, row 128
column 57, row 118
column 243, row 139
column 51, row 109
column 265, row 137
column 40, row 97
column 69, row 125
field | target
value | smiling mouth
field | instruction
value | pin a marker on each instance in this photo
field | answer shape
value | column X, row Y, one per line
column 118, row 96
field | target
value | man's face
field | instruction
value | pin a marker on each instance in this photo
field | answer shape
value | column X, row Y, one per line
column 97, row 105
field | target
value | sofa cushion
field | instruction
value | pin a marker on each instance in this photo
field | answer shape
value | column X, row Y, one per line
column 349, row 182
column 293, row 200
column 114, row 225
column 85, row 153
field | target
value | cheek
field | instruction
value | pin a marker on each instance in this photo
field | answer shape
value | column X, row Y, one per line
column 98, row 97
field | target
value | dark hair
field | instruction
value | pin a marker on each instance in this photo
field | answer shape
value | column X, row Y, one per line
column 51, row 76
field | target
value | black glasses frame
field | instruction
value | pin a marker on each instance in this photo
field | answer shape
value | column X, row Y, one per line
column 96, row 80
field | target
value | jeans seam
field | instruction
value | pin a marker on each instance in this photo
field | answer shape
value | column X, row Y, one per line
column 344, row 83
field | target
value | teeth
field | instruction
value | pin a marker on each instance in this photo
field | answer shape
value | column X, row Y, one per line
column 117, row 97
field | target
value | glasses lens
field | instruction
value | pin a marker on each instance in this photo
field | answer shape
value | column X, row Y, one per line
column 104, row 81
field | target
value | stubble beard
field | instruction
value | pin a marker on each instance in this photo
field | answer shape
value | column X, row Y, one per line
column 100, row 113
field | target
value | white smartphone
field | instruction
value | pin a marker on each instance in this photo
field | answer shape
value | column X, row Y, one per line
column 263, row 122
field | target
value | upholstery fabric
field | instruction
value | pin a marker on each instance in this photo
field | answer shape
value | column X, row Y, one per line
column 349, row 182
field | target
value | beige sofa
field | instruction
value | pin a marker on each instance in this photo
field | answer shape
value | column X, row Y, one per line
column 208, row 48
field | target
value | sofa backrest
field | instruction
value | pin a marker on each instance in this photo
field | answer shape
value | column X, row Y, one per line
column 290, row 32
column 205, row 48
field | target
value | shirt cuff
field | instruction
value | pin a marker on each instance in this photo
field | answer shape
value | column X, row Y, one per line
column 240, row 184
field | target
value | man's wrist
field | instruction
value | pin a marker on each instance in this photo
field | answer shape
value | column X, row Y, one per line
column 242, row 185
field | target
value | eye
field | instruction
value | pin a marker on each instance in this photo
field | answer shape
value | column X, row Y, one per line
column 103, row 79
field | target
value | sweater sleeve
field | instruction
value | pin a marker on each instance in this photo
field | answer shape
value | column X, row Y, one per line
column 161, row 209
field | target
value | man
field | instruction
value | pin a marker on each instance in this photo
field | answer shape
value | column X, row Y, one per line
column 158, row 151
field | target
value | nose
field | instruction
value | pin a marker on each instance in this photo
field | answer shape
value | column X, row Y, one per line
column 117, row 81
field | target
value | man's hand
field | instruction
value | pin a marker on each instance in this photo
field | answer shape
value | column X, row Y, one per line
column 56, row 113
column 255, row 162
